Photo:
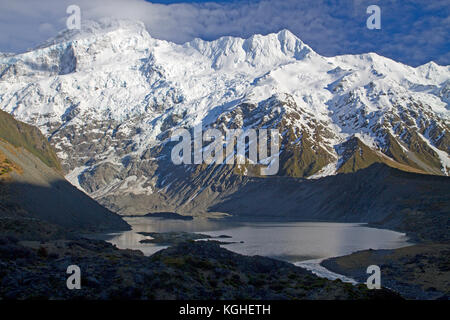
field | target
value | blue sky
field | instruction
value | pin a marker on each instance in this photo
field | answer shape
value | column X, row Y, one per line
column 413, row 32
column 191, row 1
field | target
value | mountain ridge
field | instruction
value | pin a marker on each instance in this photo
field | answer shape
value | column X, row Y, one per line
column 109, row 100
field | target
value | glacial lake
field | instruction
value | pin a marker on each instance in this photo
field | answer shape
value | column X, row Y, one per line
column 302, row 243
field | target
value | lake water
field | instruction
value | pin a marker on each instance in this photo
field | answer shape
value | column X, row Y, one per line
column 302, row 243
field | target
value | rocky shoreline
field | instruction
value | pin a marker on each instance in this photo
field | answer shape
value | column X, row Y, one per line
column 420, row 271
column 171, row 238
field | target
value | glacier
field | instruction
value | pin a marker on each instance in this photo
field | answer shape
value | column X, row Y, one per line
column 109, row 95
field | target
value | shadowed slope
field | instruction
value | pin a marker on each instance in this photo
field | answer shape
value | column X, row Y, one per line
column 30, row 188
column 378, row 195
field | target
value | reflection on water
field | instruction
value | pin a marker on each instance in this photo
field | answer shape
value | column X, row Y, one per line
column 290, row 241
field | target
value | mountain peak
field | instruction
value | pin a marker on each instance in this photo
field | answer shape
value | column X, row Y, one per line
column 97, row 28
column 257, row 50
column 286, row 34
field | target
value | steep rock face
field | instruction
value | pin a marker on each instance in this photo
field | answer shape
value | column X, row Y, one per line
column 109, row 96
column 31, row 189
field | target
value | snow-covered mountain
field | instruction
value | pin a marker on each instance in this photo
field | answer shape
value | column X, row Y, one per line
column 108, row 97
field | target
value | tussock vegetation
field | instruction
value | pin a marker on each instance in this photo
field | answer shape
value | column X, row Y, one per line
column 6, row 167
column 28, row 137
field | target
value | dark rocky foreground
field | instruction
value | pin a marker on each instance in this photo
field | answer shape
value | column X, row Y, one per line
column 36, row 269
